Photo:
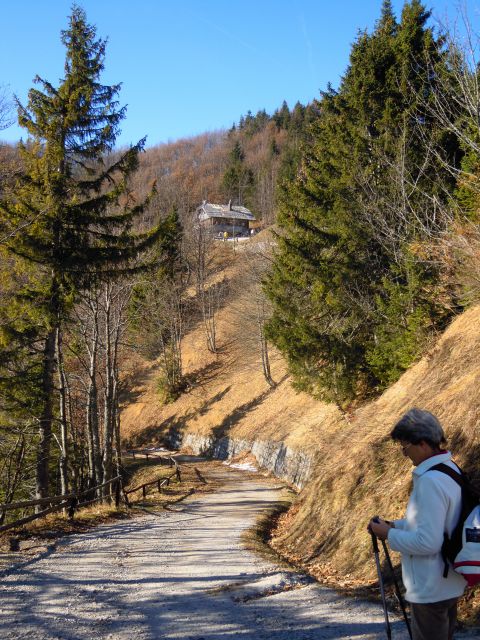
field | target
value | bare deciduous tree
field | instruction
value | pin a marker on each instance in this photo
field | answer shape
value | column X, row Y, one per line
column 6, row 109
column 211, row 287
column 250, row 304
column 12, row 456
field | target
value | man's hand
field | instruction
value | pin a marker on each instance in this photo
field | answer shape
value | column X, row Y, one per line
column 379, row 527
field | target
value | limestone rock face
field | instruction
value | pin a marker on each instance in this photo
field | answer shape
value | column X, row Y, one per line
column 292, row 465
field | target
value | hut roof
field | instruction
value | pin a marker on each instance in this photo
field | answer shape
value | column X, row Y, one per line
column 209, row 210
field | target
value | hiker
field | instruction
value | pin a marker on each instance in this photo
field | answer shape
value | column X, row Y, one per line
column 433, row 509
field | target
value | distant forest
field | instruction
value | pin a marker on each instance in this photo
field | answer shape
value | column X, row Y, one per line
column 370, row 193
column 243, row 165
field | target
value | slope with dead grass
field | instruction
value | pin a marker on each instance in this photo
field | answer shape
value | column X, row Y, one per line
column 227, row 393
column 359, row 472
column 362, row 473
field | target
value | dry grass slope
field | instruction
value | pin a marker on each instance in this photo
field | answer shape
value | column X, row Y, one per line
column 362, row 473
column 228, row 393
column 359, row 471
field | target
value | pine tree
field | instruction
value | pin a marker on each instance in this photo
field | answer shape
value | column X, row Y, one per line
column 238, row 179
column 72, row 210
column 344, row 264
column 281, row 117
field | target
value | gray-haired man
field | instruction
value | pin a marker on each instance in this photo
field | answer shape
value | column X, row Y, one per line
column 433, row 509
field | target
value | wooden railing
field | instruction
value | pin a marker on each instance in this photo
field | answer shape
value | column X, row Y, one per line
column 159, row 482
column 72, row 501
column 158, row 455
column 68, row 501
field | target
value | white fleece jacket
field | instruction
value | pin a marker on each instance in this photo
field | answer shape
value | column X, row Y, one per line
column 433, row 508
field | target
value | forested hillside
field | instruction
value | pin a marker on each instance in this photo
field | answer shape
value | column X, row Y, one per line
column 369, row 197
column 244, row 164
column 100, row 259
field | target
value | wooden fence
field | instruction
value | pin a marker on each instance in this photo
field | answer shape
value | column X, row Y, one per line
column 149, row 453
column 160, row 483
column 73, row 501
column 68, row 501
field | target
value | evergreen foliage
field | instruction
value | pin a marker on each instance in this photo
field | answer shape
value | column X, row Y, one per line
column 238, row 179
column 354, row 300
column 262, row 150
column 70, row 216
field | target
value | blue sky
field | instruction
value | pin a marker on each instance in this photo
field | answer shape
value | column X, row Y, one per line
column 189, row 66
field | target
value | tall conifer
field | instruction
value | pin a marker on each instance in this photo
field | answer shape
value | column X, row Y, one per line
column 238, row 178
column 71, row 215
column 336, row 282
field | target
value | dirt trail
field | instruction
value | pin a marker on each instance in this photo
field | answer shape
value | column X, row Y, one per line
column 178, row 574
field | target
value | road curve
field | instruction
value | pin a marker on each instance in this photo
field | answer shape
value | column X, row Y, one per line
column 180, row 574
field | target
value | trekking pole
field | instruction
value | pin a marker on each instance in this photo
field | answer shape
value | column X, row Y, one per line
column 380, row 582
column 397, row 588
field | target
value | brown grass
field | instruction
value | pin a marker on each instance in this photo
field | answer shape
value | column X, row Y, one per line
column 195, row 478
column 228, row 393
column 257, row 537
column 359, row 472
column 363, row 473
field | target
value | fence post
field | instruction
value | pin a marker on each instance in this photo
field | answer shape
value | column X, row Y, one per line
column 144, row 491
column 71, row 507
column 14, row 543
column 177, row 473
column 118, row 485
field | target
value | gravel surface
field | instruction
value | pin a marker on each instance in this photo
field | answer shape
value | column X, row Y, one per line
column 183, row 574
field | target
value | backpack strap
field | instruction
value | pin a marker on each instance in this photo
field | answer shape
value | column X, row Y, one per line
column 459, row 478
column 454, row 475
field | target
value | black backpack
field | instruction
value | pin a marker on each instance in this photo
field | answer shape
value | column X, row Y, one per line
column 453, row 545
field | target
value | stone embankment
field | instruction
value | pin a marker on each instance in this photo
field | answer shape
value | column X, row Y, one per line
column 286, row 463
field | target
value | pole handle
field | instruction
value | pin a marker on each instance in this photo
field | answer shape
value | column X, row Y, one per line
column 374, row 537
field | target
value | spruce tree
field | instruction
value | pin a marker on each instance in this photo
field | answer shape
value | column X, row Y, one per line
column 71, row 214
column 344, row 264
column 238, row 179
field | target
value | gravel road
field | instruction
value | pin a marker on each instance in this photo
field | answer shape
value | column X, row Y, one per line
column 180, row 574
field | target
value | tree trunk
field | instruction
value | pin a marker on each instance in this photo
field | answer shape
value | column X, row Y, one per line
column 118, row 450
column 94, row 457
column 76, row 465
column 266, row 360
column 108, row 407
column 115, row 413
column 12, row 473
column 46, row 417
column 210, row 306
column 63, row 466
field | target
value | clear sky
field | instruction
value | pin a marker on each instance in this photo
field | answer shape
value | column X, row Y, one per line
column 189, row 66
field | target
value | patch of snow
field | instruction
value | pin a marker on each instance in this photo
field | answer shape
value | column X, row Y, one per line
column 242, row 466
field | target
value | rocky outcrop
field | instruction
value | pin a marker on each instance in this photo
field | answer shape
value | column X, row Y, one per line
column 286, row 463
